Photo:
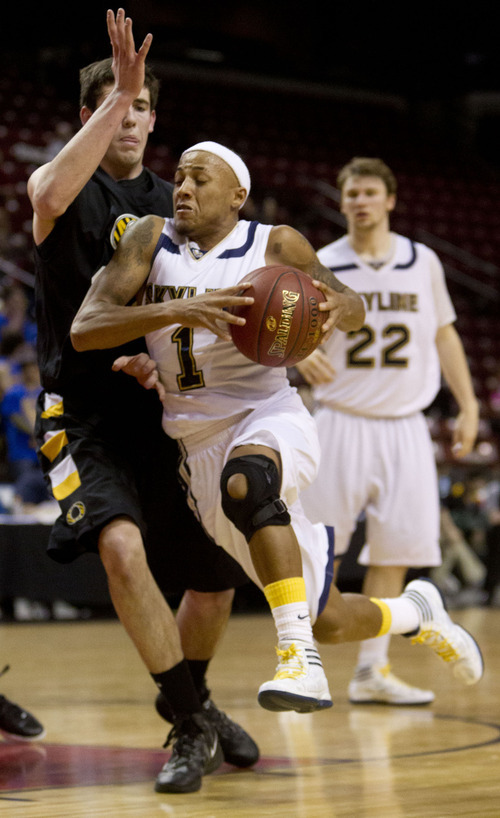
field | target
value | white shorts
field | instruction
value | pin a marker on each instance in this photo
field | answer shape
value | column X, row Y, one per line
column 385, row 468
column 287, row 427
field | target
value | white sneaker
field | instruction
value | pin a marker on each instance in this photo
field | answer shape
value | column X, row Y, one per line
column 299, row 684
column 451, row 642
column 377, row 685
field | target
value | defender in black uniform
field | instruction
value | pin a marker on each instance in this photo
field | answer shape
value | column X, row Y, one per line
column 99, row 432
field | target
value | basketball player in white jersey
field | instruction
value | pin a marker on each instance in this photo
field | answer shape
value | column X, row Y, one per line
column 369, row 388
column 248, row 444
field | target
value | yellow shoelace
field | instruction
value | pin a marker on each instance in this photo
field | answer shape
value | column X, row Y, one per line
column 293, row 659
column 437, row 643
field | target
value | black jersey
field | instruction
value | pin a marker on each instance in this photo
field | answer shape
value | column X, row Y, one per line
column 82, row 241
column 126, row 464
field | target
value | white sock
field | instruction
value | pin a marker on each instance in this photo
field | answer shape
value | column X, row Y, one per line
column 374, row 651
column 293, row 621
column 404, row 615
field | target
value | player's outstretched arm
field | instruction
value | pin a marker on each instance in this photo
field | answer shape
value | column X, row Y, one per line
column 346, row 308
column 105, row 320
column 55, row 185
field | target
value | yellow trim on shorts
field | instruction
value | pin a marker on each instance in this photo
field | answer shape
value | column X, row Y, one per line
column 386, row 615
column 285, row 591
column 54, row 411
column 54, row 445
column 67, row 487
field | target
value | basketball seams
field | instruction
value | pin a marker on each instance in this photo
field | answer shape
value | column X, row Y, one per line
column 304, row 327
column 266, row 309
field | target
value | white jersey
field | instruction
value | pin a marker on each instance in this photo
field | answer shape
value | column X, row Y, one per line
column 217, row 399
column 206, row 379
column 390, row 367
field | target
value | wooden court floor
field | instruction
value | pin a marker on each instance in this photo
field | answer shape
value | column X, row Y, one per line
column 104, row 740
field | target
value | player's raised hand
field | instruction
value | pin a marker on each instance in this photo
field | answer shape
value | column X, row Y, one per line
column 128, row 64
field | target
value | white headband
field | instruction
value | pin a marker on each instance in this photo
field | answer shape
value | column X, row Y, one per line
column 231, row 158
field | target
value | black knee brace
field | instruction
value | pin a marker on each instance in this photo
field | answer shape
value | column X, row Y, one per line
column 262, row 505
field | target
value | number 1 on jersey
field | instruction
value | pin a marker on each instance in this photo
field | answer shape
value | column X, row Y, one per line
column 190, row 377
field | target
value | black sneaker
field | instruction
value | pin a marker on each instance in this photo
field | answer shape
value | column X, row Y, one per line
column 238, row 747
column 18, row 723
column 196, row 753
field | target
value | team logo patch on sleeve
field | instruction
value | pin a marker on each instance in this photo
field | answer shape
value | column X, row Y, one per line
column 119, row 227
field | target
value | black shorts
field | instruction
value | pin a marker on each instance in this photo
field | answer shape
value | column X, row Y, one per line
column 100, row 468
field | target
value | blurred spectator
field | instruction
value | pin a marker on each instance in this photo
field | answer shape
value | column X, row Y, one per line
column 14, row 241
column 18, row 418
column 57, row 140
column 15, row 312
column 12, row 348
column 12, row 345
column 8, row 344
column 38, row 155
column 461, row 575
column 467, row 503
column 265, row 210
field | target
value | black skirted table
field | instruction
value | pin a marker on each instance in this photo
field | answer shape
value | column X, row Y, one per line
column 27, row 571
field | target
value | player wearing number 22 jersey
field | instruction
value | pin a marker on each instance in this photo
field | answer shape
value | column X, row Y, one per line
column 217, row 399
column 386, row 373
column 406, row 302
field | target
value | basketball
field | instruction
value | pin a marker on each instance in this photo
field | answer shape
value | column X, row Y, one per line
column 283, row 325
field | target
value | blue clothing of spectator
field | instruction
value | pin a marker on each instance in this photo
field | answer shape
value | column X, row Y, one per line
column 17, row 427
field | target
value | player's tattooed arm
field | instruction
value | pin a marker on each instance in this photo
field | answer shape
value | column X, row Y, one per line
column 346, row 308
column 101, row 321
column 107, row 318
column 132, row 259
